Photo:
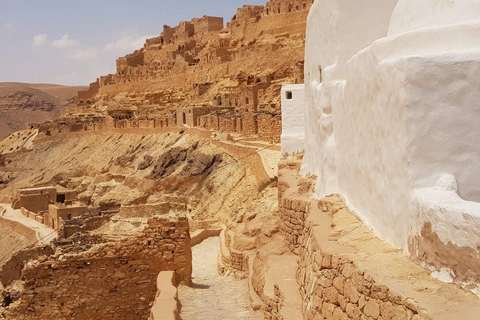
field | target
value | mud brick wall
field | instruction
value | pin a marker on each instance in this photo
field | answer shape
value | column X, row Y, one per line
column 111, row 281
column 333, row 287
column 269, row 127
column 293, row 213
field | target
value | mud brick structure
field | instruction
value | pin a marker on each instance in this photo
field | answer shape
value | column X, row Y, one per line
column 36, row 199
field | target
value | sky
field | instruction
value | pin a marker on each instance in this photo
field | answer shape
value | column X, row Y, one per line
column 73, row 42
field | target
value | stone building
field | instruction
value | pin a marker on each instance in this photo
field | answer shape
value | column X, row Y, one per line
column 199, row 62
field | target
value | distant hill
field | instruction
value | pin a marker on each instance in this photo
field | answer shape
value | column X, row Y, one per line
column 22, row 103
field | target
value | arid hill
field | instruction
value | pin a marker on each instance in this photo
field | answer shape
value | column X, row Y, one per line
column 23, row 103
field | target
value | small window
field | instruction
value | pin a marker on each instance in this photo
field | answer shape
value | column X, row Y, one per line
column 289, row 95
column 320, row 74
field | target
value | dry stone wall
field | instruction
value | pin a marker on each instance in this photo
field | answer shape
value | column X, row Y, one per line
column 269, row 127
column 82, row 225
column 345, row 272
column 230, row 259
column 11, row 270
column 294, row 213
column 271, row 306
column 334, row 287
column 110, row 281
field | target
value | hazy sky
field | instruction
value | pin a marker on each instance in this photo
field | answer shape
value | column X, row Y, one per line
column 75, row 41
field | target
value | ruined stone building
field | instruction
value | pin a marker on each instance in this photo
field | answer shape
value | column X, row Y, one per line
column 237, row 69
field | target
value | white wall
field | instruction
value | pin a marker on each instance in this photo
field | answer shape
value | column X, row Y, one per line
column 412, row 15
column 394, row 112
column 336, row 31
column 293, row 119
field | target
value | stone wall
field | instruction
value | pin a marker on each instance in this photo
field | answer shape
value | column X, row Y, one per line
column 145, row 211
column 249, row 124
column 265, row 126
column 272, row 305
column 344, row 271
column 294, row 213
column 110, row 281
column 82, row 225
column 200, row 235
column 230, row 259
column 334, row 287
column 11, row 270
column 269, row 127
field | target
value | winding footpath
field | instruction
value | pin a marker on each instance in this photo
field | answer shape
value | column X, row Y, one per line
column 214, row 296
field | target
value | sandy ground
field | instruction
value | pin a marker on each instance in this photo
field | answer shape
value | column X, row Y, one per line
column 214, row 296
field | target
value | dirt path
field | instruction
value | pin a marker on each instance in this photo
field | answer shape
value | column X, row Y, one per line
column 214, row 296
column 44, row 234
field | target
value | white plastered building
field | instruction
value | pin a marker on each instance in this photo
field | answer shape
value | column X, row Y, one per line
column 392, row 123
column 293, row 119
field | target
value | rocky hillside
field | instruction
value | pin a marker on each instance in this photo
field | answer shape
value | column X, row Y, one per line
column 22, row 103
column 120, row 169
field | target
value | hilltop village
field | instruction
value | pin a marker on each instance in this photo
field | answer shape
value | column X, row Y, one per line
column 201, row 73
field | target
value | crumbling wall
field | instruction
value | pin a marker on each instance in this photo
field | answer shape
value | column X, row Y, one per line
column 12, row 269
column 82, row 225
column 110, row 281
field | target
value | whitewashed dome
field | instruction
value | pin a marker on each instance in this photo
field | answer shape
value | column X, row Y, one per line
column 412, row 15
